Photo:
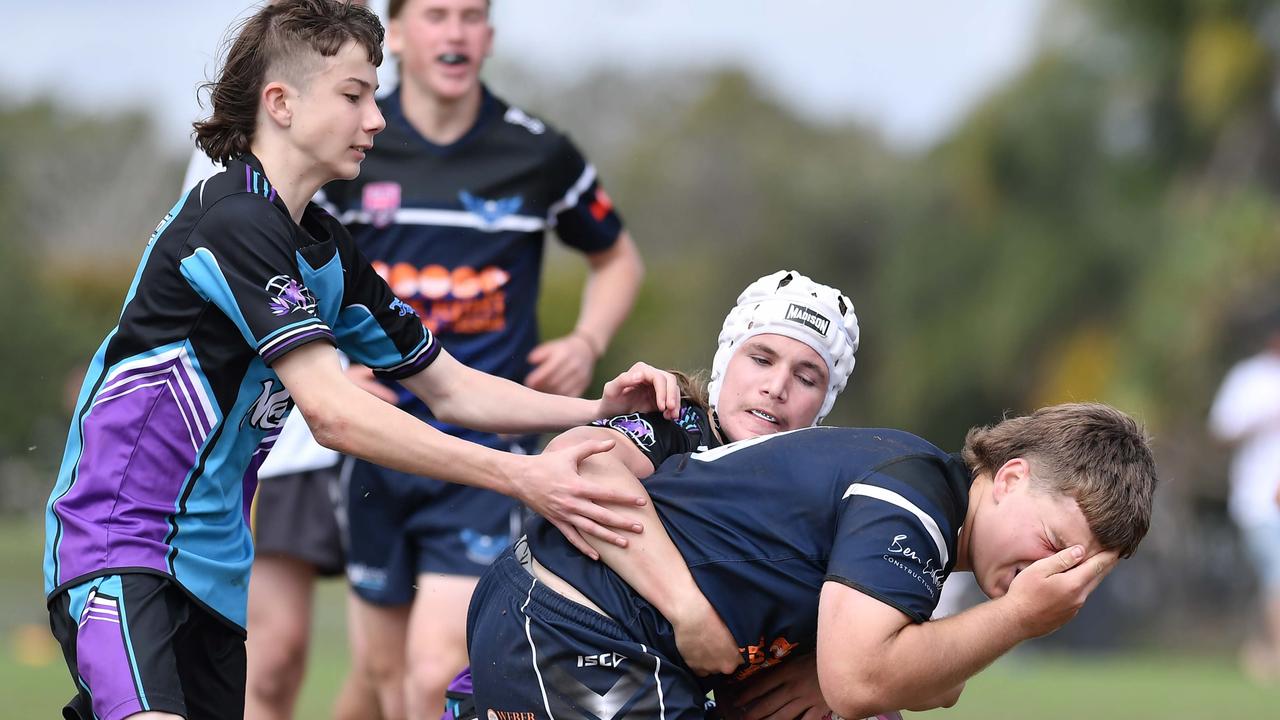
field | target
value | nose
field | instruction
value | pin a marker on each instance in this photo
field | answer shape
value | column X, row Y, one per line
column 453, row 27
column 373, row 120
column 775, row 382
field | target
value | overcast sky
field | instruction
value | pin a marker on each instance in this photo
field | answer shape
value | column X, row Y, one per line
column 911, row 68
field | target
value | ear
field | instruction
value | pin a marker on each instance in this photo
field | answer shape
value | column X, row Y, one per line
column 1010, row 476
column 275, row 101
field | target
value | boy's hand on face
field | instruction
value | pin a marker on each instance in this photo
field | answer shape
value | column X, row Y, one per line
column 1050, row 592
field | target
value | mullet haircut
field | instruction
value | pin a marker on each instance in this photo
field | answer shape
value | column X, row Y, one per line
column 284, row 37
column 1091, row 452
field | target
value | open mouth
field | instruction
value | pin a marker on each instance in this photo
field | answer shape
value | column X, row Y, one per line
column 764, row 416
column 453, row 59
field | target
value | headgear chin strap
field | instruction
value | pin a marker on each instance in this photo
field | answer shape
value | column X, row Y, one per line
column 790, row 304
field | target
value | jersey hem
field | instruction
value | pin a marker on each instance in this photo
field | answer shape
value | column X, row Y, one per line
column 104, row 572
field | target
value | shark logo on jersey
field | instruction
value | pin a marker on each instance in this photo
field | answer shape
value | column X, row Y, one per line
column 290, row 295
column 402, row 307
column 490, row 211
column 381, row 200
column 634, row 427
column 269, row 410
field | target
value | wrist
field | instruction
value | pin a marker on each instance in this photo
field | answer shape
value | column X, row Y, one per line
column 594, row 346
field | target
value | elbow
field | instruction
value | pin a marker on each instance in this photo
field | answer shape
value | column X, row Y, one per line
column 860, row 696
column 858, row 705
column 329, row 426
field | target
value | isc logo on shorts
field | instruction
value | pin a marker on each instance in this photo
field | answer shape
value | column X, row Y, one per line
column 609, row 659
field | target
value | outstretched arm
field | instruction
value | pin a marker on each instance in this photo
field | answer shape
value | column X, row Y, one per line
column 651, row 564
column 872, row 658
column 345, row 418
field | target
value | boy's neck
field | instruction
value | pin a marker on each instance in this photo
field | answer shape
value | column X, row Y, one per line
column 443, row 122
column 296, row 179
column 977, row 492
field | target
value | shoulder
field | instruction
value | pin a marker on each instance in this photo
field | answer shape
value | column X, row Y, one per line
column 528, row 128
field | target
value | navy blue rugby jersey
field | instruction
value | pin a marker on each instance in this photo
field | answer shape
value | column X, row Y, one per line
column 659, row 438
column 180, row 402
column 763, row 523
column 458, row 230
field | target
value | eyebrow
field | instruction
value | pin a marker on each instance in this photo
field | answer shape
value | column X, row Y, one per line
column 1054, row 539
column 362, row 83
column 766, row 350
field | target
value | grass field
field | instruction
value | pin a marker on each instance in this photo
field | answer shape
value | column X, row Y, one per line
column 1137, row 686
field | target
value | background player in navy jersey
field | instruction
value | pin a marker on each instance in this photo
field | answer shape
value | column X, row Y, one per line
column 834, row 541
column 241, row 294
column 784, row 353
column 451, row 206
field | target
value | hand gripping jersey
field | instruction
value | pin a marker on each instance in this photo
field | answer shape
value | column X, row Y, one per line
column 180, row 404
column 659, row 438
column 458, row 230
column 763, row 523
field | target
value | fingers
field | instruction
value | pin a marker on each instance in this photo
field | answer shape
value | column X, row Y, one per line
column 1098, row 567
column 1059, row 562
column 582, row 451
column 596, row 530
column 575, row 539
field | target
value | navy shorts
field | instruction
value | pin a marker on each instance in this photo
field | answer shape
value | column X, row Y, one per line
column 399, row 526
column 136, row 642
column 535, row 655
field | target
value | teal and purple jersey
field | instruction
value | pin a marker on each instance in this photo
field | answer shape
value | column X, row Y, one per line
column 180, row 404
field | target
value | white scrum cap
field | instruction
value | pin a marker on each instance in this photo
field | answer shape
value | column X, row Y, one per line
column 790, row 304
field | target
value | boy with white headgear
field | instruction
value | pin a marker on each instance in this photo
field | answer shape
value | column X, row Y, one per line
column 785, row 352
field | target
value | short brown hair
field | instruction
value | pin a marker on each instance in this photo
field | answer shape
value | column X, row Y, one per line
column 277, row 36
column 1091, row 452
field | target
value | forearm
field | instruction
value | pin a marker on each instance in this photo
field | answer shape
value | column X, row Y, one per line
column 463, row 396
column 922, row 664
column 356, row 423
column 612, row 285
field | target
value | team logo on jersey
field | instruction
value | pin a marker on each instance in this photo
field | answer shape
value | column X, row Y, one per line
column 602, row 205
column 289, row 295
column 269, row 410
column 402, row 307
column 516, row 116
column 490, row 211
column 811, row 319
column 381, row 200
column 634, row 427
column 689, row 420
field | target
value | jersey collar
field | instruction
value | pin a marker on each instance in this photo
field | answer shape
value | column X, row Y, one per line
column 393, row 111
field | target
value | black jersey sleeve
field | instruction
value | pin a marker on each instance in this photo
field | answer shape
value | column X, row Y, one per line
column 583, row 215
column 240, row 257
column 895, row 535
column 376, row 328
column 656, row 436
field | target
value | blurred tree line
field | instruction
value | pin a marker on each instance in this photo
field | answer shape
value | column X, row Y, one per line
column 1103, row 226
